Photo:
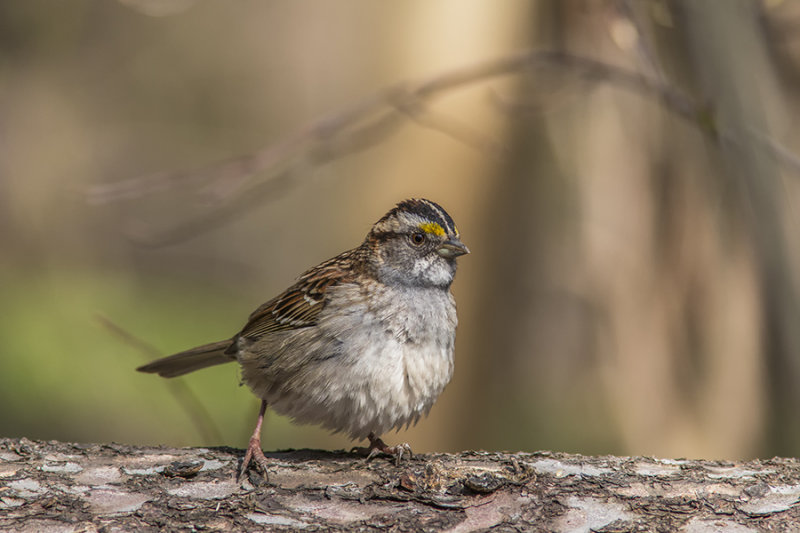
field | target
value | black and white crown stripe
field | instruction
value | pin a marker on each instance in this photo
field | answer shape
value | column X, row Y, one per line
column 416, row 211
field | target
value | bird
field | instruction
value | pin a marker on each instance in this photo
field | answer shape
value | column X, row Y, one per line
column 361, row 344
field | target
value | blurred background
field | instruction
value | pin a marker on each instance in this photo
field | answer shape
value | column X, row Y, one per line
column 630, row 198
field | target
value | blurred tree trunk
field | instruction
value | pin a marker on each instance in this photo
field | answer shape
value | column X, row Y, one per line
column 652, row 296
column 727, row 48
column 533, row 334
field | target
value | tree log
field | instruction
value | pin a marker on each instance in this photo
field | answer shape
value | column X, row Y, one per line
column 65, row 487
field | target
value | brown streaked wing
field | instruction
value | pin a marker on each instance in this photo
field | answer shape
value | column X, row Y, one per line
column 299, row 305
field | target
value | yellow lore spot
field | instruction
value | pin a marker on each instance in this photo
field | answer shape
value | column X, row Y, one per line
column 434, row 228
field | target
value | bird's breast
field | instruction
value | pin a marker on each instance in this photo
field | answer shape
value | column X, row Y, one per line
column 377, row 359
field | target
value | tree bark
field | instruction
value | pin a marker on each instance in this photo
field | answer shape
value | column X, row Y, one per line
column 55, row 486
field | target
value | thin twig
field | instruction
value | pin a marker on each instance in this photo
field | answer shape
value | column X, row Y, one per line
column 187, row 399
column 779, row 152
column 643, row 42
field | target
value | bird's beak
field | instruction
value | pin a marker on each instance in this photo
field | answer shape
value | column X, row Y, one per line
column 452, row 248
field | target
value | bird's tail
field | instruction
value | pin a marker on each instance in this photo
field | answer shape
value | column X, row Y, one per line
column 190, row 360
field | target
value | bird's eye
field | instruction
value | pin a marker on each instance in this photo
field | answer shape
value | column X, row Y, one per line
column 417, row 238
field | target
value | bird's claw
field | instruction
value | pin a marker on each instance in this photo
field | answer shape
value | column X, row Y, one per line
column 254, row 454
column 378, row 447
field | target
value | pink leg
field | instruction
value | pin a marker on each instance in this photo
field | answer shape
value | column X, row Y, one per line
column 254, row 451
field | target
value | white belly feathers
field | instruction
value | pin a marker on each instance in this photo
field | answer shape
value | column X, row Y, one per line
column 359, row 375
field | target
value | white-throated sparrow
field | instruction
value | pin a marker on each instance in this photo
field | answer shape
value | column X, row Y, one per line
column 362, row 343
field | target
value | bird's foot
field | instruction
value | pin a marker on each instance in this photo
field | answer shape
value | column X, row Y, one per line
column 377, row 447
column 254, row 451
column 254, row 454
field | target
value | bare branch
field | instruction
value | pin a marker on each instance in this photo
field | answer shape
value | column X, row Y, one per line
column 55, row 486
column 229, row 189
